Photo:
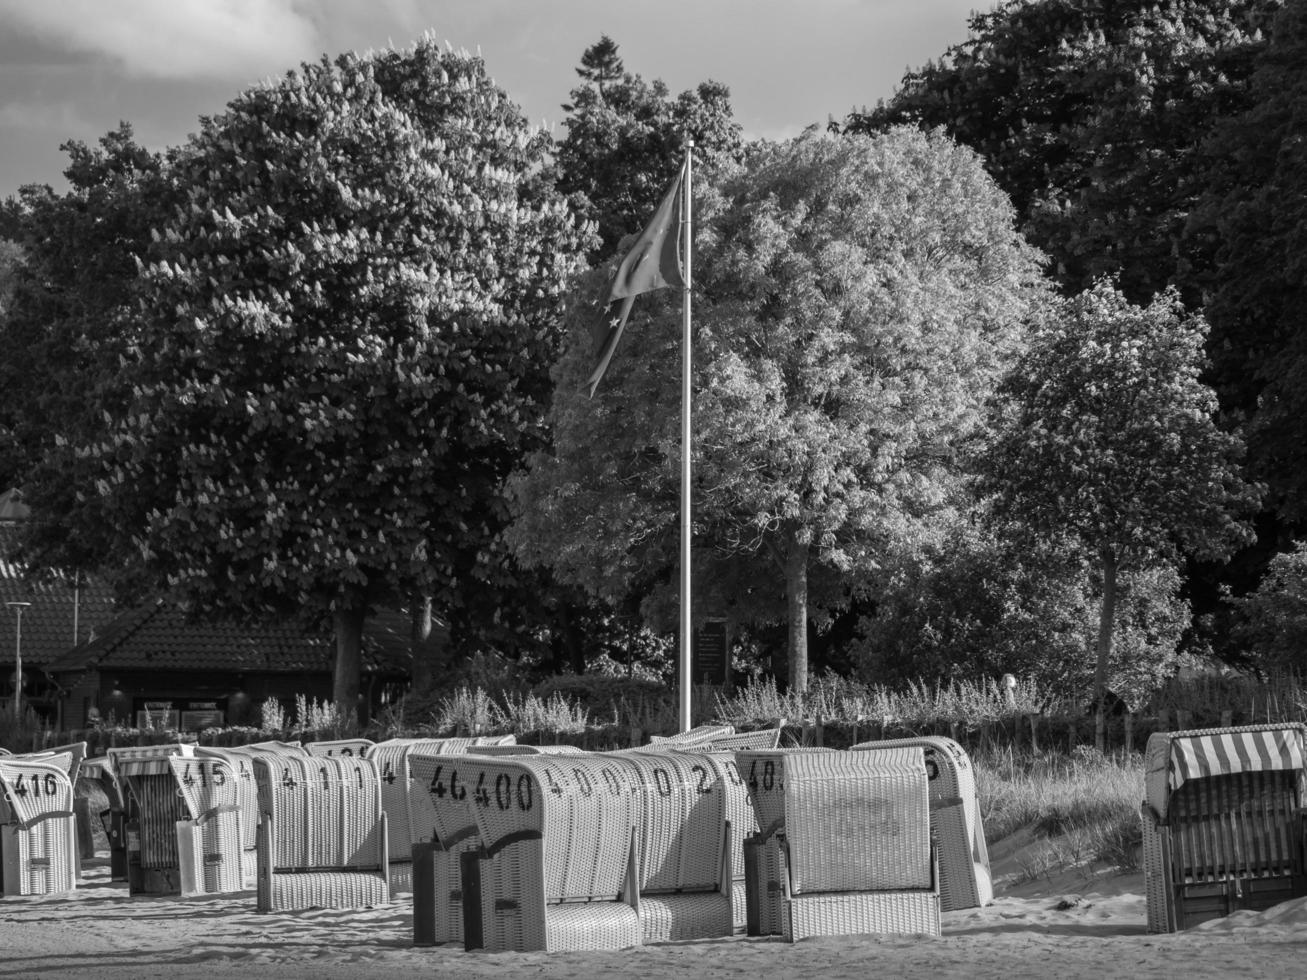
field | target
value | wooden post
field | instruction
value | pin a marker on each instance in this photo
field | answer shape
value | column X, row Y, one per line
column 1163, row 720
column 1129, row 732
column 1181, row 720
column 1034, row 733
column 1227, row 718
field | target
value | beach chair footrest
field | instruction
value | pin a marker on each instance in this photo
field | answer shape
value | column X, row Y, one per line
column 912, row 912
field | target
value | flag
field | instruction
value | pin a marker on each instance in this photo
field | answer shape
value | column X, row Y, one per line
column 654, row 261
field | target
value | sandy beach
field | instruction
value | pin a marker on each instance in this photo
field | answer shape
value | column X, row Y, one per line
column 1073, row 924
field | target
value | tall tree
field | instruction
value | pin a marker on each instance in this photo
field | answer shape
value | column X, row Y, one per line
column 1089, row 113
column 625, row 140
column 1251, row 223
column 70, row 320
column 855, row 298
column 1108, row 436
column 347, row 328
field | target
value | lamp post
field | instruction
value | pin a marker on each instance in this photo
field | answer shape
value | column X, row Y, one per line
column 18, row 608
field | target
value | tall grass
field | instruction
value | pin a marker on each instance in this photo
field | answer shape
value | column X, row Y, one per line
column 1083, row 806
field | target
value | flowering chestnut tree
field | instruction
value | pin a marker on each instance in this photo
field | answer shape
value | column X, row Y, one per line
column 347, row 328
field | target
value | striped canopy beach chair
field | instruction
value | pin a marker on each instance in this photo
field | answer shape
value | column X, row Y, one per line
column 1223, row 822
column 152, row 808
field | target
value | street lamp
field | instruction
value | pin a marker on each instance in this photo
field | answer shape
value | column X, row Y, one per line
column 18, row 608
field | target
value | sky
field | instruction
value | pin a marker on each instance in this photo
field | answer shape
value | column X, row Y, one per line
column 72, row 69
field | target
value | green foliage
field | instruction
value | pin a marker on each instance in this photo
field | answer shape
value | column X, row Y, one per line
column 1250, row 228
column 1273, row 619
column 346, row 336
column 68, row 324
column 1107, row 434
column 1090, row 114
column 975, row 604
column 855, row 300
column 626, row 139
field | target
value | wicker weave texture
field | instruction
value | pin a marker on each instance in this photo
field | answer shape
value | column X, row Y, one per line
column 583, row 806
column 1157, row 893
column 964, row 872
column 515, row 749
column 669, row 918
column 211, row 844
column 767, row 738
column 695, row 736
column 39, row 836
column 914, row 912
column 681, row 823
column 854, row 821
column 327, row 889
column 392, row 759
column 347, row 747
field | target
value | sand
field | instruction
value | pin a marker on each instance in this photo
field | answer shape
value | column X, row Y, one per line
column 1075, row 923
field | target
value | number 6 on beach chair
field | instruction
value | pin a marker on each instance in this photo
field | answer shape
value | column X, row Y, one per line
column 39, row 836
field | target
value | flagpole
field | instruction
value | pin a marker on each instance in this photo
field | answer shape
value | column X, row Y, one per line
column 683, row 666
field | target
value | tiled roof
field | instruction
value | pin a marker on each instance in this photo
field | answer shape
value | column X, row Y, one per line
column 48, row 622
column 158, row 636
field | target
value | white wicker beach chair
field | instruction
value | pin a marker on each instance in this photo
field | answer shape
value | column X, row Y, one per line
column 345, row 747
column 152, row 809
column 515, row 749
column 965, row 881
column 685, row 869
column 742, row 823
column 211, row 845
column 557, row 866
column 766, row 738
column 695, row 736
column 392, row 759
column 443, row 827
column 854, row 839
column 322, row 837
column 1223, row 822
column 38, row 836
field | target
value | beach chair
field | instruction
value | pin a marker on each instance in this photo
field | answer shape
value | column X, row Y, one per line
column 766, row 738
column 742, row 824
column 113, row 817
column 392, row 759
column 341, row 746
column 38, row 836
column 695, row 736
column 211, row 844
column 685, row 871
column 965, row 881
column 322, row 834
column 556, row 869
column 515, row 749
column 853, row 829
column 152, row 809
column 1223, row 822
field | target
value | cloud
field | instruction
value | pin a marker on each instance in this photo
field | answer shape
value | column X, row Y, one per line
column 58, row 117
column 175, row 39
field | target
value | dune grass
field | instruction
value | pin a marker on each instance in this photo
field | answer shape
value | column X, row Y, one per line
column 1082, row 808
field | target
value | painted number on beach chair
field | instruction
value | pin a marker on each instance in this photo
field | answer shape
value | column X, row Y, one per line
column 553, row 783
column 49, row 782
column 438, row 788
column 614, row 784
column 733, row 774
column 504, row 796
column 705, row 784
column 287, row 779
column 662, row 781
column 583, row 782
column 388, row 774
column 768, row 781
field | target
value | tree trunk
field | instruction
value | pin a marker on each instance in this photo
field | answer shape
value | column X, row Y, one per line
column 1105, row 619
column 796, row 603
column 423, row 673
column 348, row 620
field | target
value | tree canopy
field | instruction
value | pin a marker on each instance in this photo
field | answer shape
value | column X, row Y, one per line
column 1108, row 436
column 626, row 139
column 1090, row 115
column 855, row 298
column 346, row 328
